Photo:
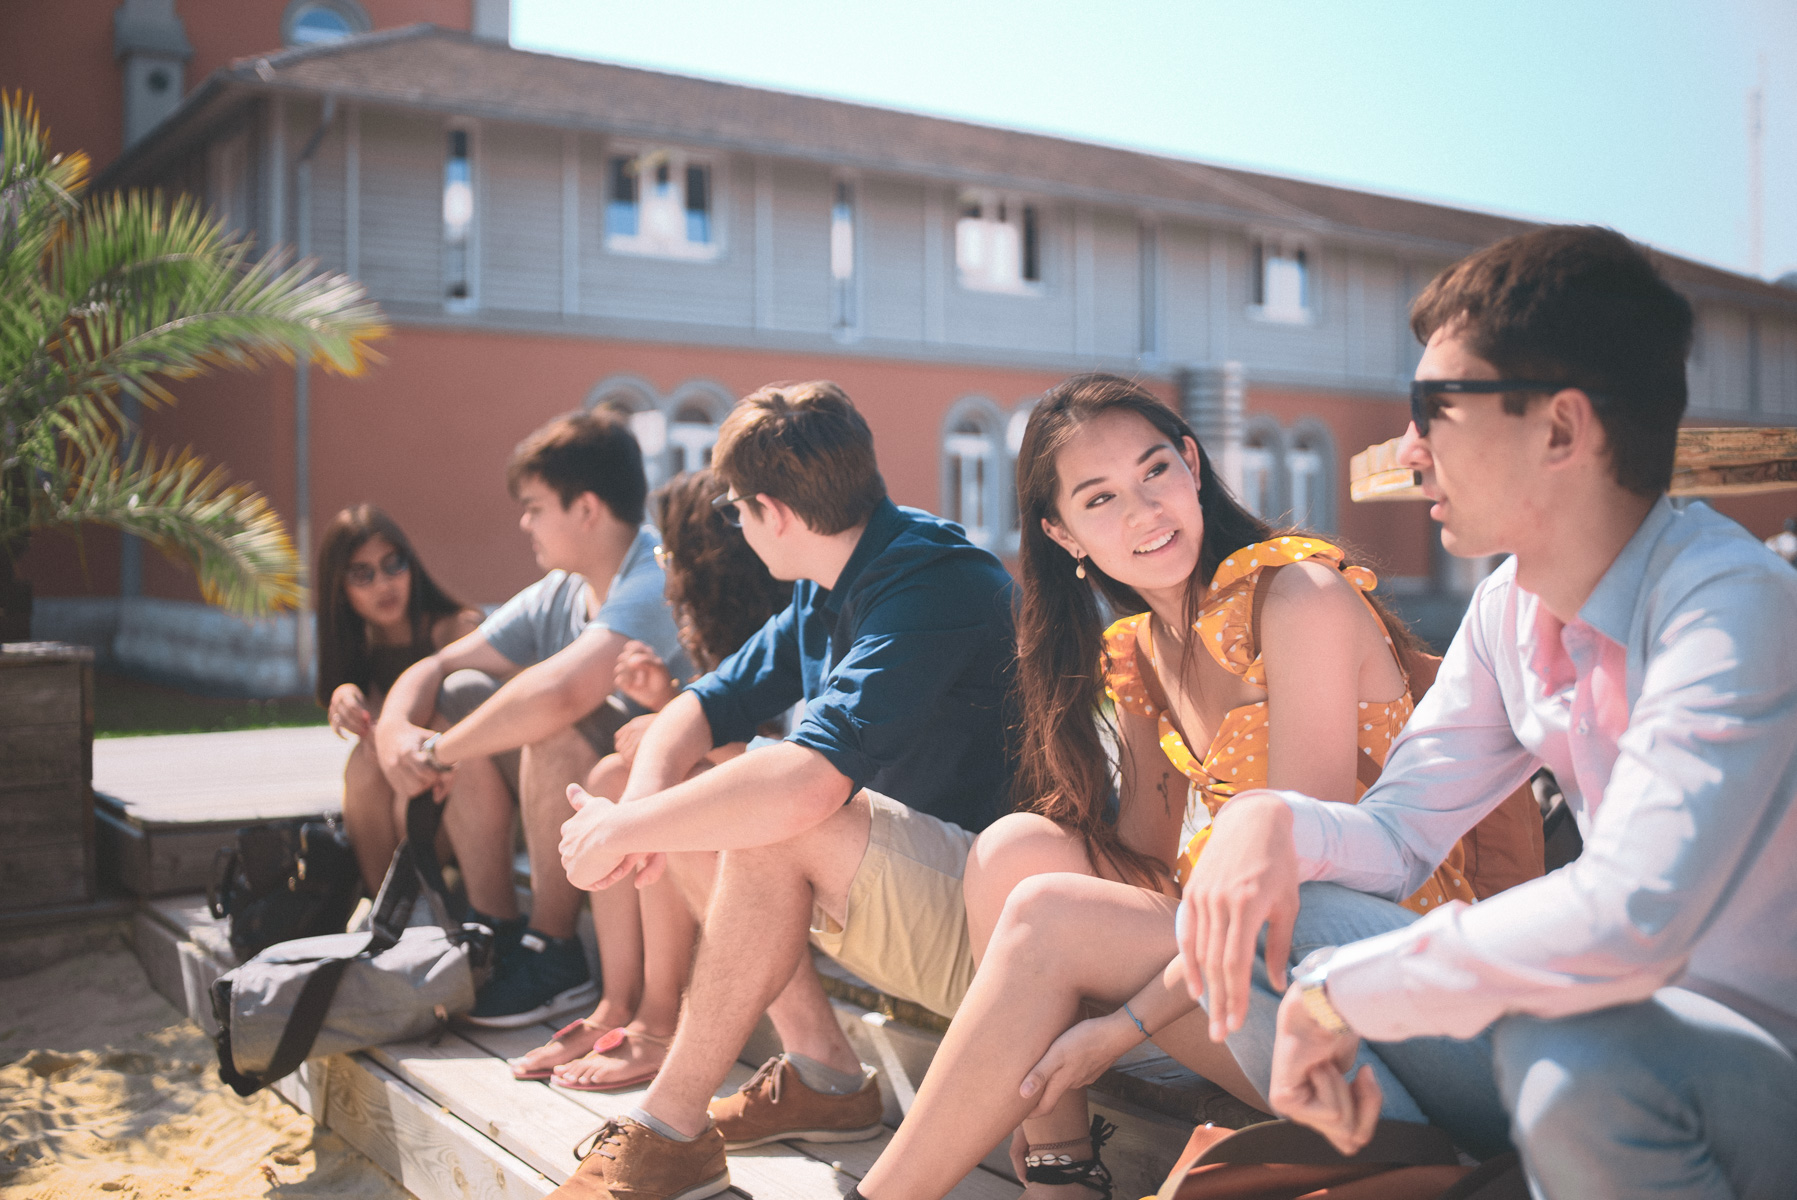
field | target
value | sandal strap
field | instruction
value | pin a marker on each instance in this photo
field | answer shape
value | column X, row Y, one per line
column 1062, row 1168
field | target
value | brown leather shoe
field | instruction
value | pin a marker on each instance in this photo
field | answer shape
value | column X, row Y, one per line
column 624, row 1160
column 775, row 1105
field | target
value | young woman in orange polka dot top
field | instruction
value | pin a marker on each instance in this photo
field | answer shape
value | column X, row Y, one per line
column 1226, row 674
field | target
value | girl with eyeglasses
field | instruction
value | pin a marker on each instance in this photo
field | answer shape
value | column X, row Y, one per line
column 379, row 612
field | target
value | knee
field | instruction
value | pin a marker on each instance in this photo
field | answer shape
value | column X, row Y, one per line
column 461, row 692
column 1568, row 1083
column 1017, row 846
column 1033, row 912
column 608, row 777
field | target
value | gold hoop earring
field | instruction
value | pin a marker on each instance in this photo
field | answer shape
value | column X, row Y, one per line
column 1079, row 567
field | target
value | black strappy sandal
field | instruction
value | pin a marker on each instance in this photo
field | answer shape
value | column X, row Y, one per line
column 1043, row 1165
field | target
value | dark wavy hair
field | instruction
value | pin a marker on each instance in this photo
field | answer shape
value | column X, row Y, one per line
column 1065, row 772
column 344, row 655
column 720, row 592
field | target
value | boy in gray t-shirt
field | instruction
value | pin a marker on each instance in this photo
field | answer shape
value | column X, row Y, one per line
column 553, row 650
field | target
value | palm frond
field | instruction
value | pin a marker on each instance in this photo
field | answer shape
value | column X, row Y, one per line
column 185, row 507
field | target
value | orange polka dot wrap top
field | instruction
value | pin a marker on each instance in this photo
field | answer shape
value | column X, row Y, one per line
column 1237, row 757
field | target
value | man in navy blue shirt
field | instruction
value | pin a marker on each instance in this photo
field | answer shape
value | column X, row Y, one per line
column 852, row 832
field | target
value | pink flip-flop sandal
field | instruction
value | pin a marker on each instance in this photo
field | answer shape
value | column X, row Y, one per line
column 564, row 1031
column 611, row 1041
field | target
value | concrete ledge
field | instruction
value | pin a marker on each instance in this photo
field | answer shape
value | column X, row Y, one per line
column 180, row 642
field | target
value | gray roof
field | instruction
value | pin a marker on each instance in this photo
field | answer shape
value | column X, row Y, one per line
column 426, row 67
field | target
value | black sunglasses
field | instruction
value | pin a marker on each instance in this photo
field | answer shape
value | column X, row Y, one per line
column 362, row 574
column 725, row 506
column 1423, row 405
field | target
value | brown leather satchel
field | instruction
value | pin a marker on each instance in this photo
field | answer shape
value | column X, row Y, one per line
column 1279, row 1160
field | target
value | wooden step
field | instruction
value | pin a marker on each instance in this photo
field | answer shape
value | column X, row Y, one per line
column 446, row 1118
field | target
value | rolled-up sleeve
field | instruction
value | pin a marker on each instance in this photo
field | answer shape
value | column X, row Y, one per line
column 1699, row 793
column 760, row 681
column 883, row 694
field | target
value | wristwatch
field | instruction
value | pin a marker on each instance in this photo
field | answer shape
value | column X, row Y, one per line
column 1311, row 978
column 428, row 748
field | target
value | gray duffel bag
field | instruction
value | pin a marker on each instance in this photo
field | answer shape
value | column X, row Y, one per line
column 349, row 991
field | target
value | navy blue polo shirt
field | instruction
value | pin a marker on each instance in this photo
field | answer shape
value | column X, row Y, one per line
column 905, row 668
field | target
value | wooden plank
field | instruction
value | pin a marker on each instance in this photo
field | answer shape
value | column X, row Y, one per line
column 39, row 693
column 41, row 754
column 758, row 1172
column 49, row 812
column 39, row 876
column 539, row 1125
column 433, row 1154
column 237, row 777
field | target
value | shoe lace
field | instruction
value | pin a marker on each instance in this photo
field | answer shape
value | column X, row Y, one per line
column 609, row 1135
column 768, row 1072
column 1091, row 1172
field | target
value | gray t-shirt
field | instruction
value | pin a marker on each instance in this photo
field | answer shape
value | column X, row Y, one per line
column 545, row 618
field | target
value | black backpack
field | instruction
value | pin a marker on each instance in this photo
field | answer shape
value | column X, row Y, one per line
column 284, row 880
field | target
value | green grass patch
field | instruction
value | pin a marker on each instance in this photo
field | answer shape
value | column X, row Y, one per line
column 126, row 707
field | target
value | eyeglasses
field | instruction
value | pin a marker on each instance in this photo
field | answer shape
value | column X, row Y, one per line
column 1423, row 393
column 662, row 557
column 361, row 574
column 726, row 507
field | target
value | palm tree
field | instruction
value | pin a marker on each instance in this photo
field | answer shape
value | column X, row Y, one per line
column 106, row 300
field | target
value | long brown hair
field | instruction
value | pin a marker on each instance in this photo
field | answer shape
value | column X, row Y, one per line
column 719, row 591
column 1065, row 772
column 343, row 643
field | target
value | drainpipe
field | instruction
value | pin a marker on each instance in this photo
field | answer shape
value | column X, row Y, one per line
column 304, row 633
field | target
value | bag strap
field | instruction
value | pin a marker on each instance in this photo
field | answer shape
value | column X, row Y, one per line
column 414, row 869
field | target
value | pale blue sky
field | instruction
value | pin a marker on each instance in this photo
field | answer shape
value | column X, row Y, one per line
column 1629, row 113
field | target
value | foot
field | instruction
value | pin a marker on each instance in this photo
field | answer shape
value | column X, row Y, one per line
column 1061, row 1170
column 627, row 1161
column 775, row 1105
column 623, row 1058
column 569, row 1043
column 542, row 977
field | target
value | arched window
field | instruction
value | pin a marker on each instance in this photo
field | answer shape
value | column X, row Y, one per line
column 311, row 22
column 695, row 411
column 1263, row 469
column 1310, row 475
column 973, row 474
column 640, row 403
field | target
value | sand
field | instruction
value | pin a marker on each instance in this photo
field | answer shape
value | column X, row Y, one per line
column 106, row 1091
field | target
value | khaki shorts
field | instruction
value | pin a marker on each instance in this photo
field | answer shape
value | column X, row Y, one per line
column 906, row 932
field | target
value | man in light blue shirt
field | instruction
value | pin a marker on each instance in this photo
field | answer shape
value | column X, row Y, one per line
column 554, row 648
column 1630, row 1020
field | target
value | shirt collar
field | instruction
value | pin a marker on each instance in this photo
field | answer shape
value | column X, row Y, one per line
column 883, row 524
column 1611, row 606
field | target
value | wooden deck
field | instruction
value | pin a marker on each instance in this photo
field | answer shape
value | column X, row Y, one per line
column 445, row 1118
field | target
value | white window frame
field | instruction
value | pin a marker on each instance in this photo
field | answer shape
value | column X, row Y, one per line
column 987, row 487
column 845, row 258
column 1267, row 460
column 1019, row 214
column 471, row 244
column 1310, row 436
column 644, row 244
column 1265, row 249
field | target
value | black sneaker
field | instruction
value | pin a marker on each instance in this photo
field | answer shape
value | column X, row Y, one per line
column 535, row 980
column 507, row 931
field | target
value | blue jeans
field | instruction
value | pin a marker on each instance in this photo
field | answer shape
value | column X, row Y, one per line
column 1674, row 1096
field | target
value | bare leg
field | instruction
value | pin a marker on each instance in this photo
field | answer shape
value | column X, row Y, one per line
column 1062, row 939
column 545, row 771
column 478, row 817
column 368, row 815
column 1012, row 849
column 618, row 926
column 754, row 941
